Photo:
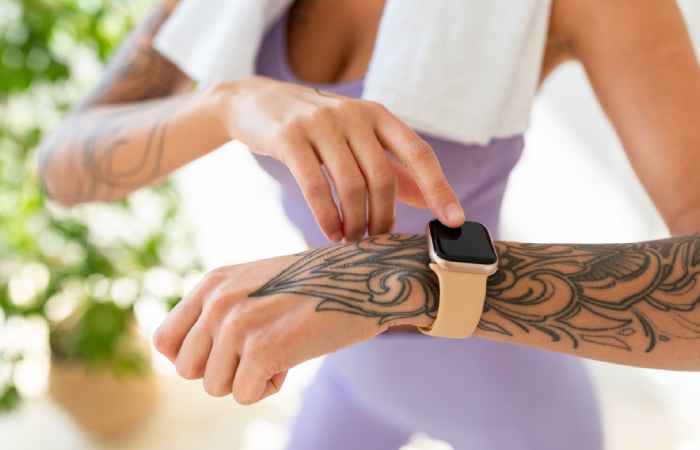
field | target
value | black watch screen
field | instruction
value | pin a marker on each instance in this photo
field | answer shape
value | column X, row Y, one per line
column 470, row 243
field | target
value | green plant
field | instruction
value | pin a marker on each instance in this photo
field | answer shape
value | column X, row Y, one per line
column 64, row 266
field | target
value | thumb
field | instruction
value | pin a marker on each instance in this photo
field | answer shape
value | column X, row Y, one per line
column 274, row 384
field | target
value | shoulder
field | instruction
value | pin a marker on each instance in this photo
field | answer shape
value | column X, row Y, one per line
column 581, row 23
column 594, row 31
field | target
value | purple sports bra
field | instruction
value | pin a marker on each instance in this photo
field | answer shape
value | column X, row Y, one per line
column 478, row 173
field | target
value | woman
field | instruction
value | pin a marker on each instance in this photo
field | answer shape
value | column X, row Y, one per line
column 143, row 122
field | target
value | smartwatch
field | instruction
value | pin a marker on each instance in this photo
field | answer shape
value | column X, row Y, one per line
column 462, row 258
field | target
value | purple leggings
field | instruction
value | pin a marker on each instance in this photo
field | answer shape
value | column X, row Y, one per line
column 375, row 395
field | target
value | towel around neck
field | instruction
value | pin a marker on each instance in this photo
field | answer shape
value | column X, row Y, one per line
column 463, row 70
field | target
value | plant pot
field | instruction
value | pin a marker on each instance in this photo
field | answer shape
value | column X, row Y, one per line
column 103, row 403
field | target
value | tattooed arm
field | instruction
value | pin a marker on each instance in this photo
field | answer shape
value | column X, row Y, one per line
column 138, row 127
column 115, row 141
column 634, row 304
column 244, row 326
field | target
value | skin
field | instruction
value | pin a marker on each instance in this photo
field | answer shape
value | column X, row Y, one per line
column 649, row 86
column 245, row 326
column 138, row 127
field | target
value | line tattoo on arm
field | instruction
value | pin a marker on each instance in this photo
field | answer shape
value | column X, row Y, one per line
column 630, row 297
column 116, row 152
column 383, row 278
column 622, row 297
column 84, row 151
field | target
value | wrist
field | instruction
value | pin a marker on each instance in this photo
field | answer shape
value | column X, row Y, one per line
column 385, row 278
column 217, row 107
column 423, row 321
column 222, row 102
column 423, row 297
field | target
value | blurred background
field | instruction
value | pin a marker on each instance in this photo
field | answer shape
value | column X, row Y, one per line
column 82, row 290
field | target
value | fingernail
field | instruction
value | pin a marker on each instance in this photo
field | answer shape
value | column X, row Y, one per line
column 454, row 214
column 336, row 236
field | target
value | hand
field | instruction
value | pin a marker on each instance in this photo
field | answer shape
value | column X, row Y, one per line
column 352, row 140
column 244, row 326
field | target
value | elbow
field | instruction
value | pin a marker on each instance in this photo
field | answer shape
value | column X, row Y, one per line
column 55, row 193
column 61, row 199
column 53, row 181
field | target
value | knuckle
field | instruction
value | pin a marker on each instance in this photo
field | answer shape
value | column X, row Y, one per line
column 232, row 320
column 353, row 187
column 215, row 389
column 350, row 106
column 221, row 271
column 234, row 327
column 383, row 182
column 441, row 191
column 216, row 275
column 186, row 371
column 163, row 341
column 263, row 354
column 376, row 107
column 290, row 132
column 419, row 151
column 243, row 398
column 322, row 114
column 314, row 188
column 258, row 350
column 289, row 154
column 215, row 307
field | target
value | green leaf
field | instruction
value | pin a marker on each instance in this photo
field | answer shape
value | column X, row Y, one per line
column 9, row 398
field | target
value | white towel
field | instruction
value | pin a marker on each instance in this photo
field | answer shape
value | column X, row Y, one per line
column 465, row 70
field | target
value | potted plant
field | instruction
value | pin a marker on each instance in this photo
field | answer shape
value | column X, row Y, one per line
column 100, row 369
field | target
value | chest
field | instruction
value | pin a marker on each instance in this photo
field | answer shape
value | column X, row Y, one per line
column 331, row 42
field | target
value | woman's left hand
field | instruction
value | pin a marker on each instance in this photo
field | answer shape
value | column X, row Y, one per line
column 244, row 326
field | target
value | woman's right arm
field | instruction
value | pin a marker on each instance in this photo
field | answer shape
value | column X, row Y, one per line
column 139, row 126
column 115, row 140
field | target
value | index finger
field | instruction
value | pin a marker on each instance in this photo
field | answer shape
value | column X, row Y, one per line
column 420, row 160
column 171, row 333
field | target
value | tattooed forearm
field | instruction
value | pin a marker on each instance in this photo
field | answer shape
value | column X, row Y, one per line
column 113, row 142
column 629, row 297
column 107, row 154
column 383, row 278
column 627, row 303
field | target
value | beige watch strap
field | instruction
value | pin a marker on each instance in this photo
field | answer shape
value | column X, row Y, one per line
column 462, row 297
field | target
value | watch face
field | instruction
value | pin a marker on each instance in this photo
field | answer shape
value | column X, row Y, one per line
column 469, row 243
